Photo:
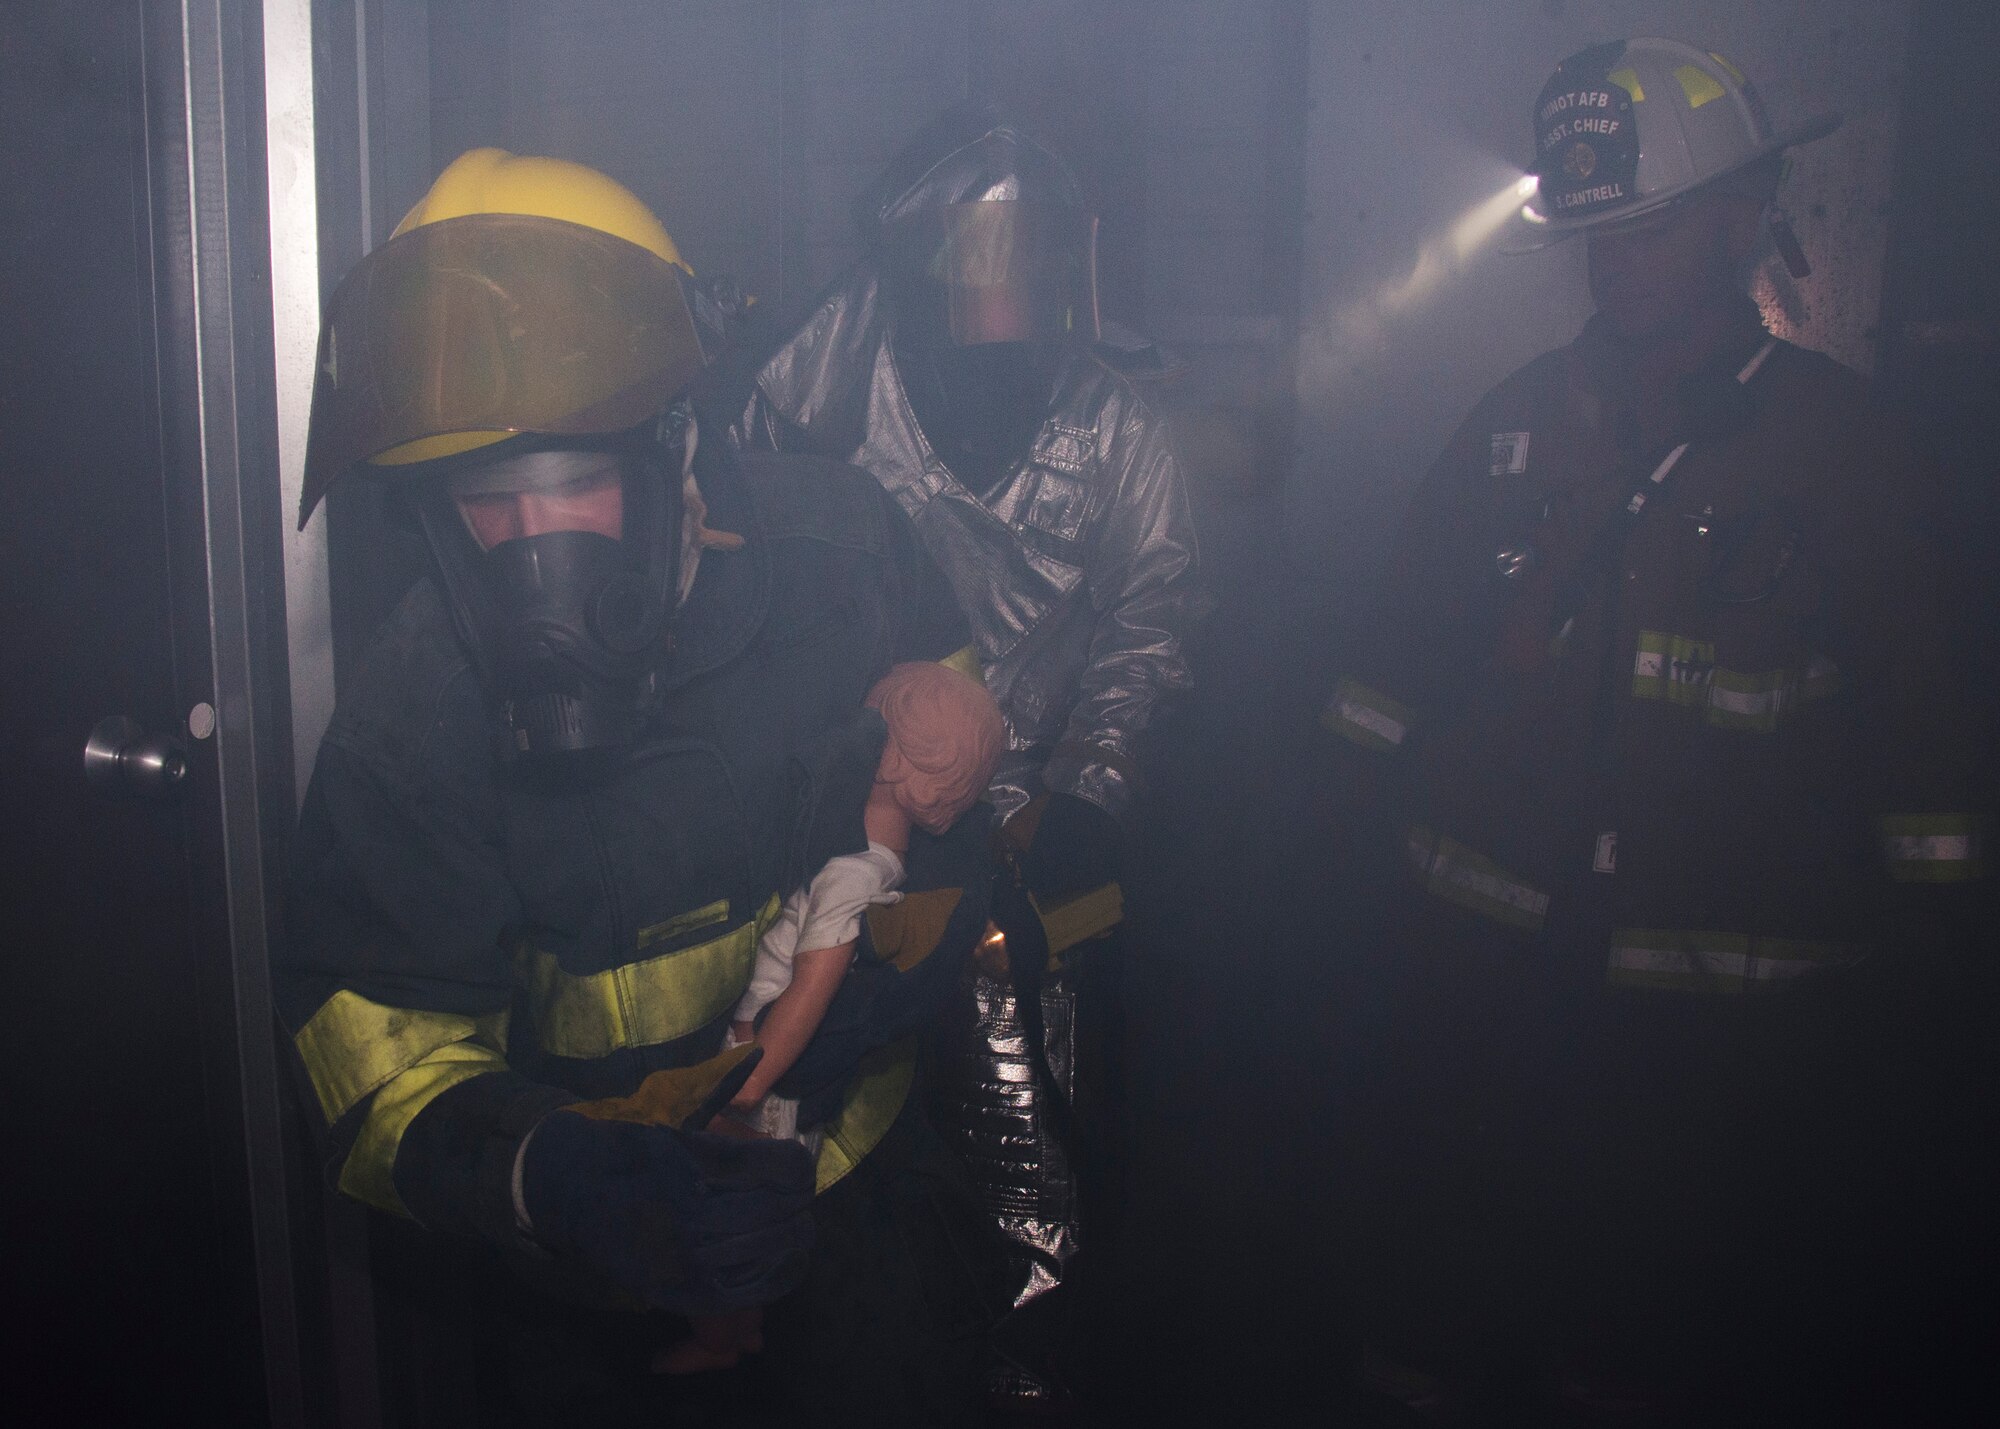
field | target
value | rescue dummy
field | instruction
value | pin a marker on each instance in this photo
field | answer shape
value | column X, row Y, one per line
column 945, row 736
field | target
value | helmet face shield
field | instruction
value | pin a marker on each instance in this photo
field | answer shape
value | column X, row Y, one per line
column 495, row 323
column 997, row 271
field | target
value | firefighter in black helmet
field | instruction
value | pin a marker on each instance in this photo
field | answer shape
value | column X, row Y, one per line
column 1658, row 736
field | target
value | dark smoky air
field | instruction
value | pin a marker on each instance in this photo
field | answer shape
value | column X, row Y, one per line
column 1000, row 712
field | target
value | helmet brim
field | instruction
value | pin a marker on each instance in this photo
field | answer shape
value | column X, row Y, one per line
column 495, row 323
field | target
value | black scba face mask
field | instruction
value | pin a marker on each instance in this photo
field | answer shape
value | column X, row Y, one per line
column 568, row 629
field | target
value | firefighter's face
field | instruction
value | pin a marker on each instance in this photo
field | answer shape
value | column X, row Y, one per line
column 576, row 491
column 1651, row 277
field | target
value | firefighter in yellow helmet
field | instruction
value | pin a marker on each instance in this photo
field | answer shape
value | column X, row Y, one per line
column 1657, row 737
column 568, row 783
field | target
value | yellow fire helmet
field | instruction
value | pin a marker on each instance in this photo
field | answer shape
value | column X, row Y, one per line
column 521, row 294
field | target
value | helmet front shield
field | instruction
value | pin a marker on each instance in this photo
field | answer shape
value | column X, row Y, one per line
column 495, row 323
column 999, row 270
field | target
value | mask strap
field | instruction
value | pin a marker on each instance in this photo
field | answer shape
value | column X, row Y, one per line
column 696, row 535
column 1787, row 243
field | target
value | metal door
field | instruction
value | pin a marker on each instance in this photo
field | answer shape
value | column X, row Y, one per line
column 146, row 1193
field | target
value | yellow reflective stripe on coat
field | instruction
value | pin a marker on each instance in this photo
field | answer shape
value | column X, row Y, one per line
column 1682, row 671
column 1367, row 716
column 353, row 1045
column 1933, row 848
column 1672, row 668
column 1694, row 960
column 881, row 1086
column 1751, row 702
column 369, row 1172
column 1086, row 916
column 702, row 917
column 655, row 1000
column 1460, row 875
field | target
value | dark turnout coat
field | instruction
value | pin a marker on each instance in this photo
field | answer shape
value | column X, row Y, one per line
column 1674, row 828
column 470, row 947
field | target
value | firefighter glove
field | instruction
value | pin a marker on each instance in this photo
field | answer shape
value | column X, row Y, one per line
column 686, row 1221
column 1075, row 850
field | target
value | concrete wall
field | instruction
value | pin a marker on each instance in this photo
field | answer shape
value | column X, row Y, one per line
column 1420, row 112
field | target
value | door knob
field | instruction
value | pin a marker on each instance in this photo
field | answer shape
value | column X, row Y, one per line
column 121, row 758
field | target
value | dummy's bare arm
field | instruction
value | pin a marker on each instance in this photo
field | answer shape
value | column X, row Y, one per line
column 793, row 1017
column 945, row 736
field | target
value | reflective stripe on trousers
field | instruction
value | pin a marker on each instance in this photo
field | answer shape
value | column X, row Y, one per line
column 1933, row 848
column 1706, row 961
column 1460, row 875
column 1366, row 716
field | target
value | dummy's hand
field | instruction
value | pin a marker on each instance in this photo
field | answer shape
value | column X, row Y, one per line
column 1075, row 850
column 685, row 1220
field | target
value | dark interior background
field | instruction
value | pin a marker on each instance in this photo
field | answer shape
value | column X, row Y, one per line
column 1281, row 184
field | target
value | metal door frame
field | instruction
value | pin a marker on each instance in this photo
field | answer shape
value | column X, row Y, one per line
column 210, row 246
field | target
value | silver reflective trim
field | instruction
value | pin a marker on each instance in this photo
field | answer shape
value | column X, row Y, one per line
column 1931, row 848
column 1709, row 962
column 1370, row 719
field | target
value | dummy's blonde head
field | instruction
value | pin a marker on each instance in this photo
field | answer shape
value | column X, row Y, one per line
column 943, row 725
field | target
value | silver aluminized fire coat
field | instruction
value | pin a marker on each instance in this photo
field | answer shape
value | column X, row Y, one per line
column 1078, row 574
column 1079, row 581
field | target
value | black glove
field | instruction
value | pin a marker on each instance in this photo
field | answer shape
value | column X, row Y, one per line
column 684, row 1220
column 1075, row 850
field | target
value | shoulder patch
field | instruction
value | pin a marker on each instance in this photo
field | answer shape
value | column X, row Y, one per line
column 816, row 499
column 1509, row 454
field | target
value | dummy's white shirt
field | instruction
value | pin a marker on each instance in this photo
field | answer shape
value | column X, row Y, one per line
column 824, row 914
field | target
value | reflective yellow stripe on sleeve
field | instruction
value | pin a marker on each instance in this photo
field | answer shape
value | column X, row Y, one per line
column 881, row 1086
column 1672, row 668
column 1366, row 716
column 1933, row 848
column 1750, row 702
column 1682, row 671
column 1705, row 961
column 369, row 1173
column 1457, row 874
column 589, row 1015
column 352, row 1045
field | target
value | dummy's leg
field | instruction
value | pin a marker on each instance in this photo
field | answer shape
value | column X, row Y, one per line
column 905, row 1281
column 719, row 1342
